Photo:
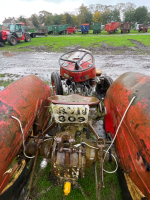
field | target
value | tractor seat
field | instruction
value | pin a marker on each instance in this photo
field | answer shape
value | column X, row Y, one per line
column 74, row 99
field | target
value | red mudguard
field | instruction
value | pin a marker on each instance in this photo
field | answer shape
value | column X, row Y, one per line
column 25, row 99
column 133, row 139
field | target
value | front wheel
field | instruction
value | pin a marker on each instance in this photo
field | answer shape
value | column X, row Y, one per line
column 12, row 40
column 56, row 83
column 102, row 88
column 27, row 38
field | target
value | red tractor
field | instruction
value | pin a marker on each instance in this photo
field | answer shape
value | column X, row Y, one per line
column 79, row 75
column 14, row 35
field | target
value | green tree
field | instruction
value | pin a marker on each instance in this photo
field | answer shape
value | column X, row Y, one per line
column 64, row 19
column 57, row 19
column 74, row 20
column 49, row 20
column 68, row 18
column 115, row 15
column 141, row 14
column 42, row 15
column 96, row 16
column 34, row 20
column 21, row 19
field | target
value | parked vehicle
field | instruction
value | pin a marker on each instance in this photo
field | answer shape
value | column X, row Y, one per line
column 50, row 29
column 132, row 139
column 79, row 74
column 125, row 27
column 14, row 35
column 96, row 28
column 102, row 27
column 85, row 28
column 112, row 27
column 141, row 27
column 60, row 29
column 33, row 32
column 71, row 29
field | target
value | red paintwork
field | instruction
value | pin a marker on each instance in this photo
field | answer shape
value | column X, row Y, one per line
column 133, row 139
column 79, row 76
column 25, row 99
column 71, row 29
column 111, row 27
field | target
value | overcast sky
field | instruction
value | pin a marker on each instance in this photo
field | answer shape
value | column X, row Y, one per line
column 15, row 8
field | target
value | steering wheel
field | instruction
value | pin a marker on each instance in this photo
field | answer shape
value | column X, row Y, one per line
column 77, row 63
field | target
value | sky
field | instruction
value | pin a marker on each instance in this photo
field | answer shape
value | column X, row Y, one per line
column 15, row 8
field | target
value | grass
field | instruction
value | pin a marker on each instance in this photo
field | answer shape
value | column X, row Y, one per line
column 110, row 192
column 6, row 83
column 59, row 42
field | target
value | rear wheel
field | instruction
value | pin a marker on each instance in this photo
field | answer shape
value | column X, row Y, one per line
column 2, row 44
column 56, row 83
column 18, row 181
column 12, row 40
column 27, row 38
column 102, row 88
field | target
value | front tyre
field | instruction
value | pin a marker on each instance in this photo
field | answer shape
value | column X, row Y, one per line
column 56, row 83
column 27, row 37
column 12, row 40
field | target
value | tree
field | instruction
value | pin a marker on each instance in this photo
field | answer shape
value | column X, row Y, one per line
column 96, row 16
column 141, row 14
column 21, row 19
column 85, row 16
column 115, row 15
column 42, row 15
column 34, row 20
column 129, row 16
column 49, row 21
column 68, row 18
column 57, row 19
column 74, row 20
column 106, row 17
column 64, row 18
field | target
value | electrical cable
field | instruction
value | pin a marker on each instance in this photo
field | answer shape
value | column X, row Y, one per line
column 117, row 132
column 22, row 137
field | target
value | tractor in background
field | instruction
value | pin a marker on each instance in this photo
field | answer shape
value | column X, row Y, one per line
column 15, row 34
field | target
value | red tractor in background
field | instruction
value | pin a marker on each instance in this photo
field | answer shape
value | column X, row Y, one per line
column 15, row 34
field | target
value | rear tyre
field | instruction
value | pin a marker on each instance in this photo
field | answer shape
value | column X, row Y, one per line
column 2, row 44
column 102, row 88
column 27, row 37
column 16, row 184
column 56, row 83
column 12, row 40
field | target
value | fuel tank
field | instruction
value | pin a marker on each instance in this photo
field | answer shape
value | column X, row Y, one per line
column 25, row 99
column 133, row 138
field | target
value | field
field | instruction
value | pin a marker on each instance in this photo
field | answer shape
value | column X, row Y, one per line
column 30, row 58
column 137, row 43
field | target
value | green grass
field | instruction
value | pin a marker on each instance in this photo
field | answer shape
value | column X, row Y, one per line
column 2, row 75
column 6, row 83
column 59, row 42
column 110, row 192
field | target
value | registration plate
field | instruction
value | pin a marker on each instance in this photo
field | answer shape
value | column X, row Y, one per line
column 70, row 113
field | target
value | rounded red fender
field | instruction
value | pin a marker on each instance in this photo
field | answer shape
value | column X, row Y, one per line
column 133, row 139
column 25, row 99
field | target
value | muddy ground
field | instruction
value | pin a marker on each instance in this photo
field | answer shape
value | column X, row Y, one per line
column 16, row 65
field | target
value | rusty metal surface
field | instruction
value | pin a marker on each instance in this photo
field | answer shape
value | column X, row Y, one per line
column 133, row 139
column 26, row 100
column 74, row 99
